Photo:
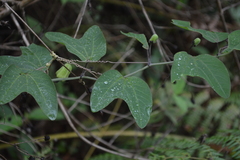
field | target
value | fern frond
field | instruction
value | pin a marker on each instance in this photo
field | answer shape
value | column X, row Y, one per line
column 229, row 140
column 184, row 149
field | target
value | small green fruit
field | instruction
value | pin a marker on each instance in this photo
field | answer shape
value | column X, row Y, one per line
column 196, row 42
column 154, row 38
column 63, row 72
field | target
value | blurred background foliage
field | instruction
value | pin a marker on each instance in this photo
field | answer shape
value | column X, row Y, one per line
column 182, row 111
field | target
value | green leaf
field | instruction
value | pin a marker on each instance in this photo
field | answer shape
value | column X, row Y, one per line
column 205, row 66
column 33, row 58
column 213, row 37
column 133, row 90
column 16, row 80
column 25, row 74
column 233, row 42
column 92, row 46
column 140, row 37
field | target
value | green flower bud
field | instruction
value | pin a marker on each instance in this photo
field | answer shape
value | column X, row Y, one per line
column 196, row 42
column 154, row 38
column 63, row 72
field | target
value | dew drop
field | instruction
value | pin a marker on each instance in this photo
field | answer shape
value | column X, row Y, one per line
column 106, row 82
column 149, row 110
column 52, row 115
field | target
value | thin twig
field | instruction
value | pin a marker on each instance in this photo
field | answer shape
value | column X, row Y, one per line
column 9, row 134
column 160, row 48
column 226, row 29
column 97, row 137
column 20, row 30
column 152, row 64
column 111, row 62
column 121, row 131
column 197, row 85
column 80, row 17
column 76, row 102
column 122, row 58
column 20, row 4
column 120, row 117
column 89, row 142
column 231, row 6
column 77, row 65
column 221, row 15
column 20, row 150
column 3, row 157
column 9, row 48
column 103, row 130
column 7, row 6
column 73, row 78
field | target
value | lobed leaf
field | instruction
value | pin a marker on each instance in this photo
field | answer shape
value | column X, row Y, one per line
column 133, row 90
column 213, row 37
column 92, row 46
column 205, row 66
column 25, row 74
column 33, row 57
column 16, row 80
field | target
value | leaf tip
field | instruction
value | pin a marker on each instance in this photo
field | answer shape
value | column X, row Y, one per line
column 52, row 115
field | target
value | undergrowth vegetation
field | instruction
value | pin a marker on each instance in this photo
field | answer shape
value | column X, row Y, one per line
column 119, row 79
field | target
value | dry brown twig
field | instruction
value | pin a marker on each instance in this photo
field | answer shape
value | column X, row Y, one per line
column 19, row 4
column 127, row 155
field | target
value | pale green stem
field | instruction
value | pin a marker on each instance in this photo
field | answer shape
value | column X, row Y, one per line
column 73, row 78
column 152, row 64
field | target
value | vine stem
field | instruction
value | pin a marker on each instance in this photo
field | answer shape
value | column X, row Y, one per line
column 152, row 64
column 94, row 79
column 73, row 78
